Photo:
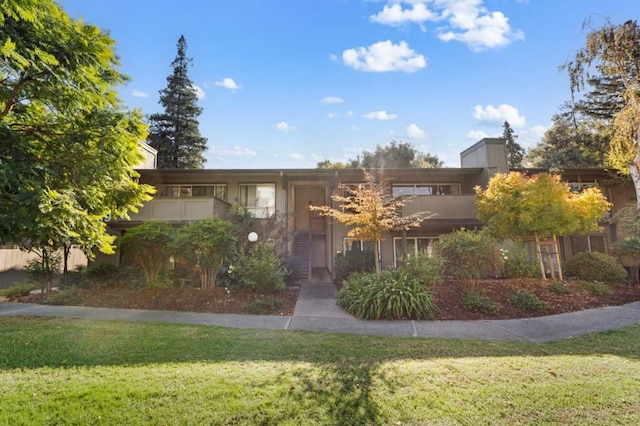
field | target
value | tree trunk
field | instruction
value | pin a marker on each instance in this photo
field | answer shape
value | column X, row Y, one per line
column 634, row 171
column 556, row 247
column 539, row 254
column 375, row 255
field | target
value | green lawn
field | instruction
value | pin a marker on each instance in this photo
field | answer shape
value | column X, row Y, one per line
column 59, row 371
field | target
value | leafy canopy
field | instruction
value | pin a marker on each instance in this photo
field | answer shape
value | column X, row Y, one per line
column 67, row 145
column 395, row 155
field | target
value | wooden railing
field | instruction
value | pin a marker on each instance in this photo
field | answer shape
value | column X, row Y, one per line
column 181, row 209
column 443, row 206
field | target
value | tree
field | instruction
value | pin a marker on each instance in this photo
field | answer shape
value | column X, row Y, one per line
column 174, row 132
column 515, row 152
column 613, row 51
column 542, row 206
column 571, row 143
column 205, row 244
column 370, row 211
column 394, row 155
column 148, row 246
column 68, row 147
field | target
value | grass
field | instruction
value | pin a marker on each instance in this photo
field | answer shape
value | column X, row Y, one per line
column 62, row 371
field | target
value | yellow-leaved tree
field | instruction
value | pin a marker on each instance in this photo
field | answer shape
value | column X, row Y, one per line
column 369, row 210
column 541, row 207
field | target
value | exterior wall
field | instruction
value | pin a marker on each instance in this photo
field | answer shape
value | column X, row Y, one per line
column 14, row 258
column 490, row 154
column 180, row 209
column 150, row 157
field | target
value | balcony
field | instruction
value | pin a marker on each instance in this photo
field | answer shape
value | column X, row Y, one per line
column 181, row 209
column 443, row 206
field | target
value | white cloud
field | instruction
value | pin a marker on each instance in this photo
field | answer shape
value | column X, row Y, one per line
column 355, row 129
column 327, row 100
column 467, row 21
column 384, row 56
column 413, row 131
column 395, row 15
column 501, row 113
column 227, row 83
column 530, row 137
column 139, row 93
column 349, row 114
column 334, row 57
column 199, row 92
column 473, row 24
column 235, row 151
column 296, row 156
column 331, row 115
column 283, row 126
column 380, row 115
column 476, row 135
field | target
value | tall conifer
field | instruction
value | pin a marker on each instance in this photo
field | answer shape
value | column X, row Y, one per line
column 174, row 132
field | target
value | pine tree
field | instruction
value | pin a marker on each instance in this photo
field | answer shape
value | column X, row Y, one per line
column 515, row 152
column 174, row 132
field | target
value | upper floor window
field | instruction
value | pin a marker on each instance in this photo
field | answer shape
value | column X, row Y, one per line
column 217, row 190
column 426, row 189
column 258, row 198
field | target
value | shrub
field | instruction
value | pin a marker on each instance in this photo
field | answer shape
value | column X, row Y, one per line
column 474, row 300
column 148, row 247
column 595, row 266
column 427, row 270
column 558, row 287
column 43, row 268
column 264, row 306
column 354, row 261
column 392, row 295
column 66, row 297
column 528, row 301
column 18, row 290
column 599, row 289
column 100, row 270
column 468, row 254
column 260, row 269
column 516, row 265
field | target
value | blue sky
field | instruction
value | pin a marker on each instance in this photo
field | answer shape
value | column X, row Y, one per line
column 289, row 83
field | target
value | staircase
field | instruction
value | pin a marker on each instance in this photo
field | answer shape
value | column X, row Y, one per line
column 300, row 251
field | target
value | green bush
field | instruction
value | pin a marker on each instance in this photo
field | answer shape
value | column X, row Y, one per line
column 515, row 263
column 101, row 270
column 43, row 268
column 260, row 269
column 468, row 254
column 264, row 306
column 595, row 266
column 558, row 287
column 392, row 295
column 528, row 301
column 354, row 261
column 70, row 296
column 474, row 300
column 427, row 270
column 599, row 289
column 18, row 290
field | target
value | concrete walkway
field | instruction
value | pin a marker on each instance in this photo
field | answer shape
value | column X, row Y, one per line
column 316, row 310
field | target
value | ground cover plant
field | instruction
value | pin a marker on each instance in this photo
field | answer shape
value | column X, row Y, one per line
column 62, row 371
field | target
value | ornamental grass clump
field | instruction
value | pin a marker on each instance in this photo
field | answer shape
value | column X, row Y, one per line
column 393, row 294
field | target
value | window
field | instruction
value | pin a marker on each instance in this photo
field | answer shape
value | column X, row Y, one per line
column 426, row 189
column 259, row 199
column 581, row 243
column 349, row 244
column 217, row 190
column 415, row 245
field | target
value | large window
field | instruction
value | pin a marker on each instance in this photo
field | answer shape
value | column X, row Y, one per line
column 217, row 190
column 580, row 243
column 258, row 198
column 349, row 244
column 414, row 246
column 426, row 189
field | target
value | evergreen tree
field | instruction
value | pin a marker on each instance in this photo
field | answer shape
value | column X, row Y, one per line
column 395, row 155
column 515, row 152
column 174, row 132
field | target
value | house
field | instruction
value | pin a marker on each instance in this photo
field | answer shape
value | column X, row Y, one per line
column 447, row 193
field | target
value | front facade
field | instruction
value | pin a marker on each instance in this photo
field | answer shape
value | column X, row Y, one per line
column 446, row 193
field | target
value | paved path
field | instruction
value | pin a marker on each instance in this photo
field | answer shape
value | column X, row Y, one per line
column 316, row 310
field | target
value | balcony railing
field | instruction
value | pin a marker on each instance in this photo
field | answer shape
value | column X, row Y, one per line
column 443, row 206
column 181, row 209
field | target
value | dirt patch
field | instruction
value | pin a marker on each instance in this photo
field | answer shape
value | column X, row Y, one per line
column 447, row 298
